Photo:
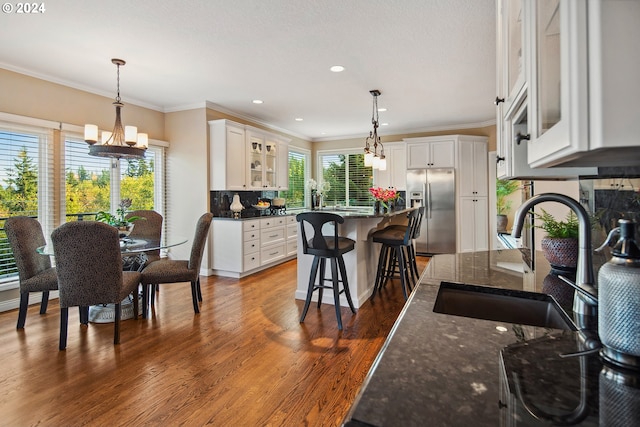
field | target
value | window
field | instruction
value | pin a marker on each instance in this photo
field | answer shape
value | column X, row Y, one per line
column 348, row 177
column 87, row 181
column 70, row 185
column 24, row 182
column 298, row 173
column 94, row 184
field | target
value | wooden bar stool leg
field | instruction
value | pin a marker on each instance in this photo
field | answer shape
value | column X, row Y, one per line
column 336, row 290
column 401, row 265
column 380, row 273
column 312, row 281
column 322, row 278
column 345, row 283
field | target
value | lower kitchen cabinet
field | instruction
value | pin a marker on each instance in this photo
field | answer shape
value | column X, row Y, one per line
column 243, row 247
column 473, row 230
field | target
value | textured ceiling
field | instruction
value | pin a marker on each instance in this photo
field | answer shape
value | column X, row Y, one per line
column 433, row 60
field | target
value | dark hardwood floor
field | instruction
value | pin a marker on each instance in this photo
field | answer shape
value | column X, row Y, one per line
column 245, row 360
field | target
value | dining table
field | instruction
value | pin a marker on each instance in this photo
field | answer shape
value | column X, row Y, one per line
column 134, row 257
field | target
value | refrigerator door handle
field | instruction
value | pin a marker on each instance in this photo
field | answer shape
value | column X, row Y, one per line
column 428, row 198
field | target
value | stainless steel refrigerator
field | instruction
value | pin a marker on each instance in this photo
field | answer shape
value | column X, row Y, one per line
column 435, row 189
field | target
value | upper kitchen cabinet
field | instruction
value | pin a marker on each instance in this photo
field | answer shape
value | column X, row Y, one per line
column 583, row 73
column 472, row 165
column 430, row 152
column 227, row 145
column 247, row 158
column 395, row 176
column 265, row 171
column 513, row 68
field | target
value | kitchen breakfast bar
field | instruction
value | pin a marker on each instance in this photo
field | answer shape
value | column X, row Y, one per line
column 361, row 263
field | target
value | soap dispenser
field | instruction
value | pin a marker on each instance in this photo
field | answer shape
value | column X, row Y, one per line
column 619, row 299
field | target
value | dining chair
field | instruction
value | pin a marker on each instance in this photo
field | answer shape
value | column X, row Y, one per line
column 177, row 271
column 89, row 267
column 35, row 272
column 149, row 228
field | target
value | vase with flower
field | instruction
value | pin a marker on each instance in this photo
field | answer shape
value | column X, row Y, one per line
column 383, row 197
column 120, row 220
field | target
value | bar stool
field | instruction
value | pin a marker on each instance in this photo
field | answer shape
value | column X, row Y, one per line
column 324, row 247
column 411, row 251
column 397, row 255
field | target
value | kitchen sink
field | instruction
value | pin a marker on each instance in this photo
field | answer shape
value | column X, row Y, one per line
column 503, row 305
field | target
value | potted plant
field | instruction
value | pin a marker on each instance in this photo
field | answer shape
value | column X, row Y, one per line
column 120, row 220
column 560, row 245
column 504, row 187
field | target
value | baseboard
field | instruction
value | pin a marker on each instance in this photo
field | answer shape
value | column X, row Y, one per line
column 34, row 298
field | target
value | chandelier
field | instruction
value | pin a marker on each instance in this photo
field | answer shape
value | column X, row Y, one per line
column 371, row 156
column 121, row 143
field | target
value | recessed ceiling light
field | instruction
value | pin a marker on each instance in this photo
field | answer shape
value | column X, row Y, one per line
column 501, row 329
column 337, row 68
column 382, row 109
column 298, row 119
column 384, row 124
column 257, row 101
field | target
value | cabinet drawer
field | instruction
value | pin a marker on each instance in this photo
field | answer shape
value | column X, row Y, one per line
column 251, row 261
column 251, row 225
column 251, row 246
column 292, row 230
column 291, row 219
column 274, row 221
column 251, row 235
column 271, row 235
column 272, row 253
column 292, row 246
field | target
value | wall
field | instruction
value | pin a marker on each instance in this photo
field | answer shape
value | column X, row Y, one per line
column 187, row 183
column 31, row 97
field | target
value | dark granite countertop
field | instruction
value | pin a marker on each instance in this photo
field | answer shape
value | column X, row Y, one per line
column 444, row 370
column 346, row 213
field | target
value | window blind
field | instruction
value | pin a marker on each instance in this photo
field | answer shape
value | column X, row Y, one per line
column 25, row 160
column 348, row 178
column 298, row 171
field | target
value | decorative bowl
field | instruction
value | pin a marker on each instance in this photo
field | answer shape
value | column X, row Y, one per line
column 262, row 207
column 125, row 230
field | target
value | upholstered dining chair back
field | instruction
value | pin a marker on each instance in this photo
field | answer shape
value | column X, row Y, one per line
column 25, row 236
column 89, row 264
column 175, row 271
column 199, row 241
column 35, row 273
column 149, row 227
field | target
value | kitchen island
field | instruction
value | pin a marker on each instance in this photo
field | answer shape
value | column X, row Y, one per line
column 362, row 262
column 445, row 370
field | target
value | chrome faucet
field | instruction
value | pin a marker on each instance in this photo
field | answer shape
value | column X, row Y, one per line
column 585, row 301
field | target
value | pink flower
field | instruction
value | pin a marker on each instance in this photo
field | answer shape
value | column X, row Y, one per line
column 383, row 195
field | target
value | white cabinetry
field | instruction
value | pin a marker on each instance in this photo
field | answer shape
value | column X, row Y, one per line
column 472, row 184
column 395, row 176
column 273, row 236
column 473, row 224
column 513, row 59
column 266, row 164
column 583, row 72
column 242, row 247
column 247, row 158
column 430, row 152
column 227, row 145
column 472, row 164
column 292, row 236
